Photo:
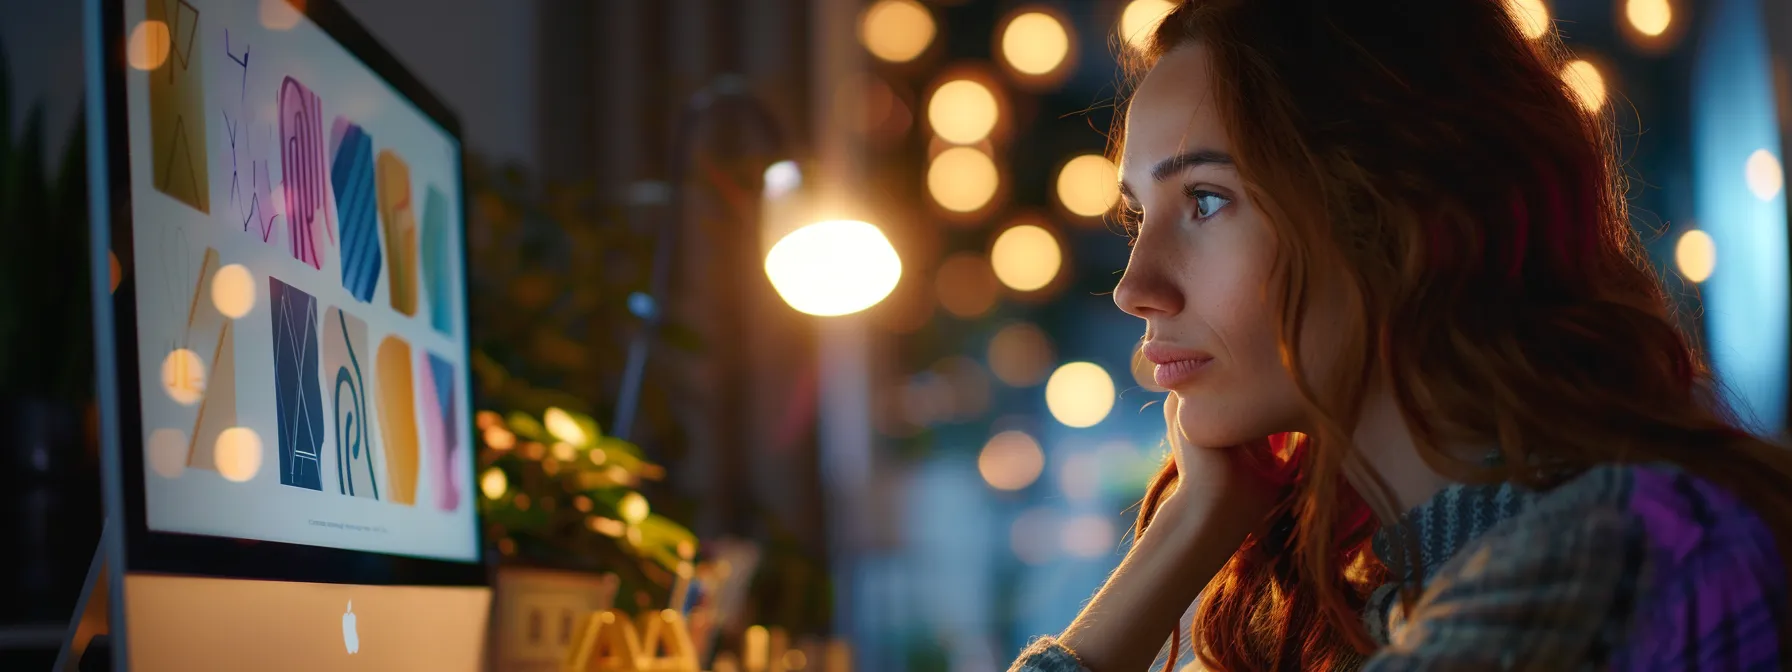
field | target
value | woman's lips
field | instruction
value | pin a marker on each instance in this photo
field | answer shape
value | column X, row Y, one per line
column 1179, row 372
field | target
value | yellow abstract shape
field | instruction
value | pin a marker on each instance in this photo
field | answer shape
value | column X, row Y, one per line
column 210, row 331
column 398, row 419
column 666, row 643
column 393, row 180
column 176, row 108
column 606, row 642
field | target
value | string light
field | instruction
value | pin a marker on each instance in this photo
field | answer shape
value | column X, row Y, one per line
column 1532, row 17
column 897, row 31
column 1035, row 43
column 1696, row 255
column 1080, row 394
column 1089, row 185
column 963, row 179
column 1587, row 83
column 1649, row 17
column 1011, row 460
column 963, row 111
column 1764, row 174
column 1026, row 257
column 1140, row 18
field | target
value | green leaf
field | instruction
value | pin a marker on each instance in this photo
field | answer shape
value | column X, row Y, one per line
column 525, row 426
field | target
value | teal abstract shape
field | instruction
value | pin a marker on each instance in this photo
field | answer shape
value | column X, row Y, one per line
column 437, row 260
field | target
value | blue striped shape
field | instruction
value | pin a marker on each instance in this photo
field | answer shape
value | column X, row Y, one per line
column 351, row 174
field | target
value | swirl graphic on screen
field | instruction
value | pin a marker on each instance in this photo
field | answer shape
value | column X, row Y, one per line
column 302, row 171
column 345, row 342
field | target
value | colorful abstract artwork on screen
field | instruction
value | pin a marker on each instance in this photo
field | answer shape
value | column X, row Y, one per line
column 351, row 175
column 309, row 221
column 300, row 409
column 177, row 108
column 437, row 269
column 394, row 183
column 441, row 442
column 398, row 420
column 348, row 366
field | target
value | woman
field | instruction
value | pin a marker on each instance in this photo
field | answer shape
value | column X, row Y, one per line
column 1385, row 266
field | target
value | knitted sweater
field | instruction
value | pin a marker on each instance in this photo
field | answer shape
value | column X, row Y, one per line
column 1622, row 568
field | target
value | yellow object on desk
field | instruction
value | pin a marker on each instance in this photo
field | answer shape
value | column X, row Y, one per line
column 609, row 641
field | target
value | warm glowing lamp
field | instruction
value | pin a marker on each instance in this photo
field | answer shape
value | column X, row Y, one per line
column 833, row 268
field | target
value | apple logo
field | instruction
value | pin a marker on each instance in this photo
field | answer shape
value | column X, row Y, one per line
column 350, row 638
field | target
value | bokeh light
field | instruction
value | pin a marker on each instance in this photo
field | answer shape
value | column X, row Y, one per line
column 833, row 268
column 1035, row 43
column 494, row 484
column 1011, row 460
column 1079, row 476
column 966, row 285
column 238, row 454
column 1587, row 83
column 1034, row 536
column 1765, row 175
column 166, row 452
column 1080, row 394
column 963, row 111
column 1649, row 17
column 1696, row 255
column 1089, row 185
column 896, row 30
column 148, row 46
column 963, row 179
column 278, row 15
column 562, row 425
column 1532, row 16
column 183, row 376
column 633, row 508
column 1088, row 536
column 233, row 291
column 1020, row 355
column 1026, row 257
column 1140, row 19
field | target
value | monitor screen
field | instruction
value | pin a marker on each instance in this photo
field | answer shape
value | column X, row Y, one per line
column 298, row 264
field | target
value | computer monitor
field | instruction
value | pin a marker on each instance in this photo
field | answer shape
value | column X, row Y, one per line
column 281, row 288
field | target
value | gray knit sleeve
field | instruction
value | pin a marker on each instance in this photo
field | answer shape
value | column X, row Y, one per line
column 1047, row 655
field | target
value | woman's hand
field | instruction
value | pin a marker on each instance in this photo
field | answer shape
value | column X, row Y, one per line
column 1221, row 496
column 1237, row 483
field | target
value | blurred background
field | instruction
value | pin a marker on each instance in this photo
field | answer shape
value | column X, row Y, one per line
column 930, row 462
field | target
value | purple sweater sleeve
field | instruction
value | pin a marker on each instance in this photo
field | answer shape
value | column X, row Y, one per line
column 1642, row 568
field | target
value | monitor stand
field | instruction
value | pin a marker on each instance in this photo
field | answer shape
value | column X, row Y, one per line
column 87, row 643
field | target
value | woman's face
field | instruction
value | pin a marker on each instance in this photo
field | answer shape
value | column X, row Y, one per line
column 1200, row 260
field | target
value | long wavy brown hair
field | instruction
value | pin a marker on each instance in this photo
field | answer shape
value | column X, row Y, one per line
column 1427, row 158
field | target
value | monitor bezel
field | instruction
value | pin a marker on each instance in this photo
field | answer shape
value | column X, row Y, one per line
column 146, row 550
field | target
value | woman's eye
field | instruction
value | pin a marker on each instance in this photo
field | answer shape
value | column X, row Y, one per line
column 1207, row 203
